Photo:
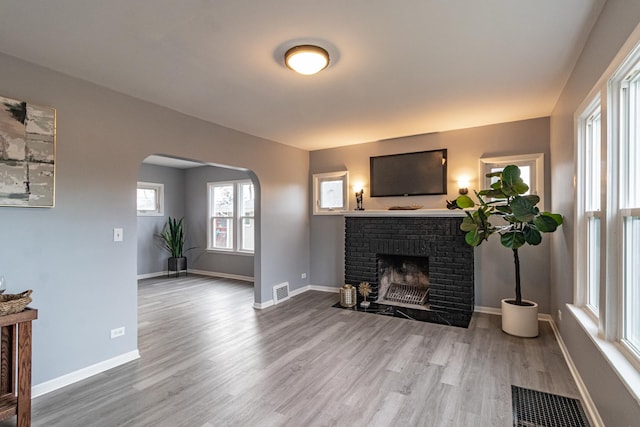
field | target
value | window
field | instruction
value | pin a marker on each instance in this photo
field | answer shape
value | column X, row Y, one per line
column 531, row 168
column 589, row 206
column 629, row 203
column 231, row 225
column 330, row 193
column 150, row 199
column 607, row 245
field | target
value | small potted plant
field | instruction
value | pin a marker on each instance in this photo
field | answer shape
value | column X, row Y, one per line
column 173, row 238
column 519, row 223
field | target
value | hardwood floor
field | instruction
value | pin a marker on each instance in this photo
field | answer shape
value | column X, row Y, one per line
column 209, row 359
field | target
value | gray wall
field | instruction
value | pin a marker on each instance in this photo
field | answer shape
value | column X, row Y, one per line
column 85, row 284
column 616, row 22
column 494, row 279
column 151, row 257
column 196, row 180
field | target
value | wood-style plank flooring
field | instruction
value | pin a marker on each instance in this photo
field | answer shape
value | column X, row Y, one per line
column 209, row 359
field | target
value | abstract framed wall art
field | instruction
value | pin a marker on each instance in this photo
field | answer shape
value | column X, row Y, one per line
column 27, row 154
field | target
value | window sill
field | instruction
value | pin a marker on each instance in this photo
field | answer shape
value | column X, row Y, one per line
column 334, row 212
column 622, row 366
column 219, row 251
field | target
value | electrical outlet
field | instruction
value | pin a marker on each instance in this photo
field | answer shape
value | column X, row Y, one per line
column 118, row 234
column 559, row 315
column 118, row 332
column 303, row 276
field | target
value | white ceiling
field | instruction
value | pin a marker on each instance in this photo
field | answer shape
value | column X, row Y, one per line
column 398, row 67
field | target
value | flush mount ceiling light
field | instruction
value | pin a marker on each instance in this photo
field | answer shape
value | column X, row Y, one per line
column 306, row 59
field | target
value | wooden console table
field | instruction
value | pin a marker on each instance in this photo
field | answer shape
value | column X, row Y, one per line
column 15, row 364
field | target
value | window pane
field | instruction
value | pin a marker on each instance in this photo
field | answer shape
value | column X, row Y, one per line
column 223, row 200
column 247, row 200
column 147, row 199
column 331, row 195
column 592, row 163
column 632, row 149
column 593, row 263
column 632, row 281
column 223, row 233
column 247, row 238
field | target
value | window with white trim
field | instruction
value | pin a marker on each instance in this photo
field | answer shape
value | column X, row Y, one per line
column 608, row 205
column 330, row 193
column 629, row 204
column 531, row 169
column 231, row 225
column 150, row 199
column 589, row 205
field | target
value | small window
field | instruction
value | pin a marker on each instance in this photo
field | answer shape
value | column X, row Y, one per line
column 150, row 199
column 531, row 169
column 330, row 193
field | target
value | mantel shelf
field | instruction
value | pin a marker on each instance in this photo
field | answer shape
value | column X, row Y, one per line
column 415, row 212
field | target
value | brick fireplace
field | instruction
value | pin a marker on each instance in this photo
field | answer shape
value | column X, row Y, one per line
column 434, row 237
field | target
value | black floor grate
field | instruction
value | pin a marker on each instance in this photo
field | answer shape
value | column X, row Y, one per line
column 533, row 408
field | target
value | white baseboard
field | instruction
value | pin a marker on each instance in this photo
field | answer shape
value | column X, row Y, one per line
column 592, row 411
column 81, row 374
column 487, row 310
column 223, row 275
column 498, row 312
column 324, row 289
column 201, row 273
column 262, row 305
column 150, row 275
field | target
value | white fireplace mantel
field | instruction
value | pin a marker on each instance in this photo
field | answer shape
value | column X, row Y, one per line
column 400, row 212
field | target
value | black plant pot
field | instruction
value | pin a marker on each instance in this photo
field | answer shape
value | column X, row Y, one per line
column 177, row 265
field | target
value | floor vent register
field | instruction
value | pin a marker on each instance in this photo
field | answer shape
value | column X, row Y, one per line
column 533, row 408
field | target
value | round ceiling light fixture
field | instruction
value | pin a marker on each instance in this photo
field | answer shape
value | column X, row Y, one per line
column 306, row 59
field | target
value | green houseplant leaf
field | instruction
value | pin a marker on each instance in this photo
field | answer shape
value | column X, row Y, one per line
column 506, row 199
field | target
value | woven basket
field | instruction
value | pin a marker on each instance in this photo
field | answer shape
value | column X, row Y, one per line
column 14, row 303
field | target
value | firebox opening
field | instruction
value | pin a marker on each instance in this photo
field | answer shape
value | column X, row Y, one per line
column 403, row 281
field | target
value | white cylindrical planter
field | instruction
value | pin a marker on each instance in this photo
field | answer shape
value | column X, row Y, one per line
column 520, row 320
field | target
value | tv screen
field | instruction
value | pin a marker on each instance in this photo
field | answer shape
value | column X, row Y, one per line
column 409, row 174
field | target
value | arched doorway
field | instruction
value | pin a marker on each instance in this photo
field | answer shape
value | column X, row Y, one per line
column 222, row 247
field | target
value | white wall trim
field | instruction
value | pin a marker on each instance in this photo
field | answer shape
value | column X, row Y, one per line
column 592, row 411
column 324, row 288
column 487, row 310
column 263, row 305
column 150, row 275
column 293, row 293
column 81, row 374
column 223, row 275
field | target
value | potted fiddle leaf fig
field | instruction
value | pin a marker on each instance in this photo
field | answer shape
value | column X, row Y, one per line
column 505, row 209
column 172, row 238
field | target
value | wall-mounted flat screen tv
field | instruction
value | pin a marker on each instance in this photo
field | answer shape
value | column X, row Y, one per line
column 409, row 174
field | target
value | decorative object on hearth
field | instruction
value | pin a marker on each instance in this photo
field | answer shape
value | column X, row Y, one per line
column 14, row 303
column 522, row 223
column 348, row 296
column 365, row 289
